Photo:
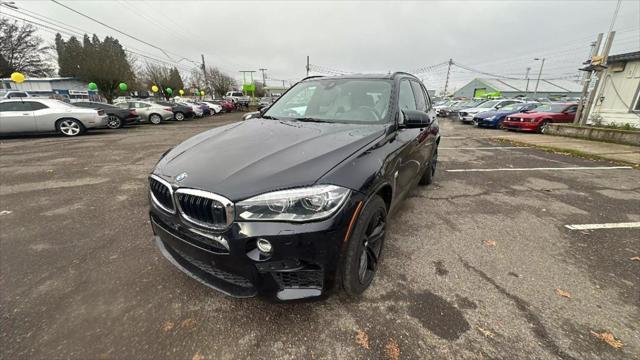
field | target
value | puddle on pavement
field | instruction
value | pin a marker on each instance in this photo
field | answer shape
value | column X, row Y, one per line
column 438, row 315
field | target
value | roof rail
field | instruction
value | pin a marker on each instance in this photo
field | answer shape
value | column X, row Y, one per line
column 312, row 77
column 403, row 73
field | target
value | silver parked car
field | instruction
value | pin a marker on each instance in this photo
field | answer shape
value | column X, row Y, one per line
column 148, row 111
column 27, row 115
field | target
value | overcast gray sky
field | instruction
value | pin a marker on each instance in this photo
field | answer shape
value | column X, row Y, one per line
column 499, row 37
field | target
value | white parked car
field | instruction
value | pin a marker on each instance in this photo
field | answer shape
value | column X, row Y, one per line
column 216, row 108
column 466, row 115
column 11, row 94
column 29, row 115
column 148, row 111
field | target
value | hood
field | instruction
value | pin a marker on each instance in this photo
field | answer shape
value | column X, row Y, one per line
column 258, row 155
column 475, row 110
column 529, row 115
column 486, row 114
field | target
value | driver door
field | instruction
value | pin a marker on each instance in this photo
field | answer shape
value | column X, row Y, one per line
column 16, row 117
column 408, row 159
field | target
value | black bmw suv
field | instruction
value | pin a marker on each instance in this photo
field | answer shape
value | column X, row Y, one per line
column 294, row 201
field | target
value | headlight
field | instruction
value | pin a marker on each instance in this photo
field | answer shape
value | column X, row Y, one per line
column 302, row 204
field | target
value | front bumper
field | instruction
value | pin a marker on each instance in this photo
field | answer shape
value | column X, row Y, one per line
column 481, row 122
column 302, row 264
column 520, row 125
column 465, row 117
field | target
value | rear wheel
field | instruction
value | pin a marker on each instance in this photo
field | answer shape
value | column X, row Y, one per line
column 70, row 127
column 430, row 172
column 114, row 122
column 364, row 248
column 155, row 119
column 179, row 116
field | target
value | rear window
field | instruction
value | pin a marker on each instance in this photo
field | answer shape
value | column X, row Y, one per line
column 237, row 94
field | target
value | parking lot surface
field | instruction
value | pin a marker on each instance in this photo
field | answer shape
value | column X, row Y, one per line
column 478, row 265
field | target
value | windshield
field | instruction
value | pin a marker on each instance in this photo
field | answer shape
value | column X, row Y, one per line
column 336, row 100
column 489, row 104
column 552, row 108
column 512, row 107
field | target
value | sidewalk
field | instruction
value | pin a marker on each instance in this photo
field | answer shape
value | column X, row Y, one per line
column 616, row 152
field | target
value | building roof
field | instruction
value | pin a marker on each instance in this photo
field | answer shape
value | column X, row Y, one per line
column 520, row 85
column 624, row 57
column 43, row 79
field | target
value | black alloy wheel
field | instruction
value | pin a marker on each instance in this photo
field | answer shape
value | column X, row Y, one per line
column 364, row 248
column 430, row 172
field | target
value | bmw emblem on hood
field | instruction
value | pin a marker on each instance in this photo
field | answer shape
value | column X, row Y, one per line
column 181, row 176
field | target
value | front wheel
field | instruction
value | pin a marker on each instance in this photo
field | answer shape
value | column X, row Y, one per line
column 155, row 119
column 179, row 116
column 543, row 127
column 70, row 127
column 364, row 248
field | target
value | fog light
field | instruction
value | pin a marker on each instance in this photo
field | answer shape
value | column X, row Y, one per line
column 264, row 246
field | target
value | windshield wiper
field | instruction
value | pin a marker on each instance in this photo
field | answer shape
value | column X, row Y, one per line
column 269, row 117
column 310, row 119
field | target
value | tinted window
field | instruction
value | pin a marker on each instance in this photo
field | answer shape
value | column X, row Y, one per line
column 406, row 100
column 421, row 102
column 572, row 109
column 36, row 105
column 15, row 106
column 17, row 95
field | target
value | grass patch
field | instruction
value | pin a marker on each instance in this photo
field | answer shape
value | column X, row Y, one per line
column 564, row 151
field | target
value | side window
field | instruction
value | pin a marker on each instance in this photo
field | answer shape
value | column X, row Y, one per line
column 37, row 105
column 14, row 106
column 421, row 101
column 572, row 109
column 406, row 100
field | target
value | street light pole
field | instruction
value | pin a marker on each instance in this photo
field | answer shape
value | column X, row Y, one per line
column 535, row 92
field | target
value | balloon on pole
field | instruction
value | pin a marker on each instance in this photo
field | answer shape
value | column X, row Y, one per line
column 17, row 77
column 154, row 89
column 197, row 93
column 123, row 86
column 181, row 92
column 93, row 86
column 201, row 93
column 169, row 90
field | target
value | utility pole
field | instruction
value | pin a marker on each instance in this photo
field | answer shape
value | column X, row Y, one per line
column 283, row 83
column 605, row 54
column 586, row 79
column 526, row 89
column 446, row 83
column 307, row 65
column 535, row 92
column 264, row 76
column 204, row 72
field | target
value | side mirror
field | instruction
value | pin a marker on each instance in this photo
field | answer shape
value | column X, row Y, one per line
column 251, row 115
column 416, row 119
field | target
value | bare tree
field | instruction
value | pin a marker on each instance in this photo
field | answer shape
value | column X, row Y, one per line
column 219, row 81
column 22, row 50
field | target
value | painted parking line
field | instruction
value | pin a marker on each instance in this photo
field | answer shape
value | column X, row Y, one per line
column 544, row 169
column 626, row 225
column 483, row 148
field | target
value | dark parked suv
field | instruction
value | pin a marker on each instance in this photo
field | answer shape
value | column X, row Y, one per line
column 294, row 201
column 117, row 117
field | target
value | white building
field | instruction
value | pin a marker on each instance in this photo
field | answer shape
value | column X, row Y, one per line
column 66, row 87
column 617, row 98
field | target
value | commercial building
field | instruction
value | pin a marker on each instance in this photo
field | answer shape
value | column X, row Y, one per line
column 510, row 88
column 65, row 87
column 617, row 98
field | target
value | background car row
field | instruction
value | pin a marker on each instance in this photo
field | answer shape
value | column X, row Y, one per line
column 509, row 114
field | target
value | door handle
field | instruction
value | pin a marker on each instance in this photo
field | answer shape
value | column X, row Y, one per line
column 26, row 114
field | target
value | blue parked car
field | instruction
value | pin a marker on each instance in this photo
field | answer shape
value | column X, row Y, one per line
column 494, row 118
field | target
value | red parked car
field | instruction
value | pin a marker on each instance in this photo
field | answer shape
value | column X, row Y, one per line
column 536, row 119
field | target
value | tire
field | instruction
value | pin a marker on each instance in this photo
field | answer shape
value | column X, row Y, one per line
column 362, row 253
column 543, row 127
column 114, row 122
column 155, row 119
column 179, row 116
column 70, row 127
column 430, row 173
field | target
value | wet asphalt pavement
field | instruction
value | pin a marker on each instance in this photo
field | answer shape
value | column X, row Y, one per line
column 471, row 269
